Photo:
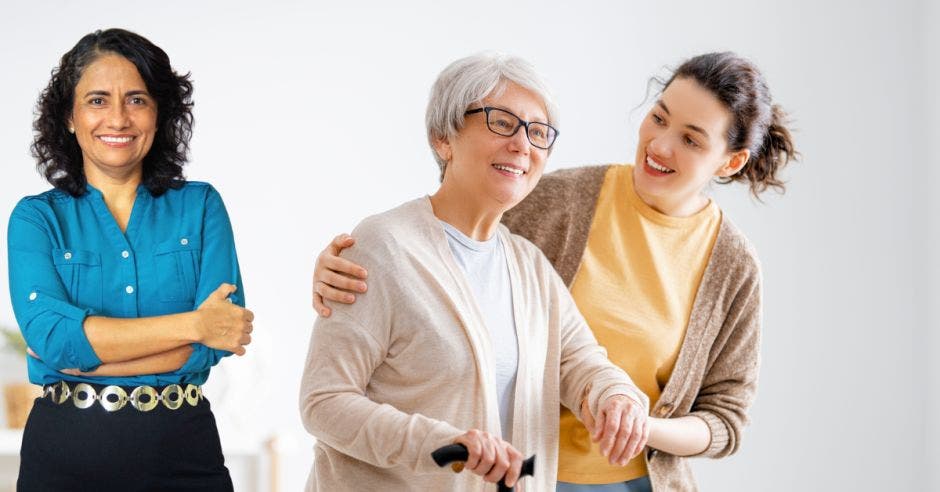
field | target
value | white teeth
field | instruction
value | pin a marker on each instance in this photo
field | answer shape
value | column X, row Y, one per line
column 116, row 139
column 517, row 172
column 654, row 165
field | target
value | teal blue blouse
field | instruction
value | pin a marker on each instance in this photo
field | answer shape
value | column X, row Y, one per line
column 68, row 259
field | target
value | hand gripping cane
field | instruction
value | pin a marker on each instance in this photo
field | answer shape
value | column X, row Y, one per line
column 458, row 452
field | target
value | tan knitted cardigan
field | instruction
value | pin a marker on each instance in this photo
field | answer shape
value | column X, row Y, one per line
column 409, row 366
column 715, row 376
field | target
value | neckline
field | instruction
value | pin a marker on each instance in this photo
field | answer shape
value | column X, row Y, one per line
column 140, row 201
column 480, row 246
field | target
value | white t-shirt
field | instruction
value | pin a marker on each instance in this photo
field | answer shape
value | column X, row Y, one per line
column 484, row 264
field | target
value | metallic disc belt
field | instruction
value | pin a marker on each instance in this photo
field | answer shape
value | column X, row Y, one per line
column 114, row 398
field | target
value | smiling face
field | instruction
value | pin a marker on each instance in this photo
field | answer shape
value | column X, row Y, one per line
column 114, row 116
column 682, row 147
column 494, row 170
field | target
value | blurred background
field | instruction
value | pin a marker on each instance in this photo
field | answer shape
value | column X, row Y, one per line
column 309, row 117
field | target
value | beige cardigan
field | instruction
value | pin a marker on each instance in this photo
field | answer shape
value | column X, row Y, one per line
column 409, row 366
column 715, row 376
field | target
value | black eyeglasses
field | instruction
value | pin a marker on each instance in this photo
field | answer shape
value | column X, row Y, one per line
column 502, row 122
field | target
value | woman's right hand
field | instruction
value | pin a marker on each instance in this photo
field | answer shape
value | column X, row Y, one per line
column 335, row 278
column 223, row 325
column 491, row 457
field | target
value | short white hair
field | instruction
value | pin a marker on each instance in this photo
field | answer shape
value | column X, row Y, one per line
column 468, row 81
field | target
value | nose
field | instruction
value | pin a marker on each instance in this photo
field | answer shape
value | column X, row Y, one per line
column 659, row 146
column 118, row 118
column 520, row 141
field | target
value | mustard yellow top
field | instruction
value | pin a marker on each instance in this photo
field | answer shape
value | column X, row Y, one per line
column 635, row 286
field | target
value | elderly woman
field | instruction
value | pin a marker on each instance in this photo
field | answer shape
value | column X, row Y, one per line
column 467, row 334
column 124, row 280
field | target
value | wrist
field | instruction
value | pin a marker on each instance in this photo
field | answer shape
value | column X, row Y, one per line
column 655, row 438
column 193, row 327
column 638, row 398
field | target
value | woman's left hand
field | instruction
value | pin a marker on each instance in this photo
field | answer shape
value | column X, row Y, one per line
column 621, row 427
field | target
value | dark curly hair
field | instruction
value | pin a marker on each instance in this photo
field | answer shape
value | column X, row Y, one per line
column 757, row 124
column 58, row 156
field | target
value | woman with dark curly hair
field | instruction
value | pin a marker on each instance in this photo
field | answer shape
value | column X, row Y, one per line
column 124, row 280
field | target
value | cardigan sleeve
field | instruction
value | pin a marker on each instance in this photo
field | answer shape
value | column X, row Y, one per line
column 335, row 409
column 730, row 381
column 345, row 351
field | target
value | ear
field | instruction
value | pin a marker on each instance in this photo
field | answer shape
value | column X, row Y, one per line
column 736, row 161
column 443, row 148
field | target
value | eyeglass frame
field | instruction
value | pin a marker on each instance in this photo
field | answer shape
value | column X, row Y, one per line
column 522, row 123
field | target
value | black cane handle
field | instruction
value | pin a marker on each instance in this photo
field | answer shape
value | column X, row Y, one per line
column 458, row 452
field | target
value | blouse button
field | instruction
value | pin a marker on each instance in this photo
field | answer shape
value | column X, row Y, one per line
column 184, row 241
column 32, row 296
column 125, row 254
column 68, row 255
column 129, row 289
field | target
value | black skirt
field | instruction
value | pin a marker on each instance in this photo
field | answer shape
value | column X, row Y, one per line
column 71, row 449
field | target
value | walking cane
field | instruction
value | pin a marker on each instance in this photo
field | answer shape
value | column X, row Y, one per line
column 458, row 452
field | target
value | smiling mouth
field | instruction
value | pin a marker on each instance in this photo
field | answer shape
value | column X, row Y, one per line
column 658, row 167
column 511, row 170
column 115, row 140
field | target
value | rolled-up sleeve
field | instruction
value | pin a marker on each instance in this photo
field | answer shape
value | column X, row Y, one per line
column 218, row 264
column 52, row 326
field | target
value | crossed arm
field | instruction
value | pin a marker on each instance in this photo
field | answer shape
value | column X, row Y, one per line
column 75, row 339
column 159, row 344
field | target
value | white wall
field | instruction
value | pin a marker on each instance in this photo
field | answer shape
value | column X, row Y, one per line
column 931, row 55
column 310, row 117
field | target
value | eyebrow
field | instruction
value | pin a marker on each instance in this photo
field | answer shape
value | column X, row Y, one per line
column 663, row 105
column 106, row 93
column 504, row 108
column 690, row 127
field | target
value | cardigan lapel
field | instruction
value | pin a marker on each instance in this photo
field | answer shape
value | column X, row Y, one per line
column 521, row 397
column 462, row 302
column 696, row 335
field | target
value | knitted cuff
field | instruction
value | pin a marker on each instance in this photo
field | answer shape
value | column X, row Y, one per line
column 720, row 436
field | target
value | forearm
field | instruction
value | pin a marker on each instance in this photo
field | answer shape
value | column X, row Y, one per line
column 682, row 436
column 163, row 362
column 129, row 339
column 380, row 435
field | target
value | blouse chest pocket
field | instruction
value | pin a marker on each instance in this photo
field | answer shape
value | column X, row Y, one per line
column 80, row 272
column 177, row 264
